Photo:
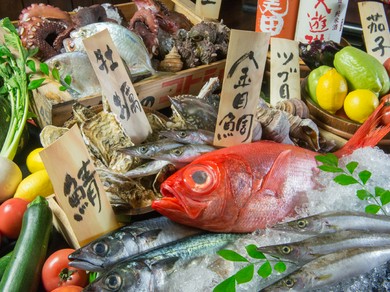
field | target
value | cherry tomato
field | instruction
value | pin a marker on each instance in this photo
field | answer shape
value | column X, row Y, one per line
column 56, row 271
column 11, row 217
column 385, row 111
column 71, row 288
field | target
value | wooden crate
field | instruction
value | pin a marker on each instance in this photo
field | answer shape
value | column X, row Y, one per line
column 153, row 93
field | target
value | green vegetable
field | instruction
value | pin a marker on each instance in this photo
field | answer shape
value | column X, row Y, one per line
column 246, row 273
column 4, row 261
column 23, row 273
column 15, row 85
column 361, row 70
column 347, row 176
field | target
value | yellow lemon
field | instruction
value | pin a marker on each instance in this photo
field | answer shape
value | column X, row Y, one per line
column 10, row 178
column 331, row 91
column 34, row 161
column 359, row 104
column 35, row 184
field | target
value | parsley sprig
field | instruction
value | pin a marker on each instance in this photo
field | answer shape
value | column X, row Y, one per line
column 245, row 274
column 348, row 175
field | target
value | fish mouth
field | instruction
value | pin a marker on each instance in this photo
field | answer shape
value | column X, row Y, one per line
column 84, row 264
column 170, row 204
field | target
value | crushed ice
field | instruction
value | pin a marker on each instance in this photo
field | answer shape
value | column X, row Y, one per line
column 208, row 272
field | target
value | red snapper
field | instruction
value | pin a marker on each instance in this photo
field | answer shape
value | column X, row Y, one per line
column 251, row 186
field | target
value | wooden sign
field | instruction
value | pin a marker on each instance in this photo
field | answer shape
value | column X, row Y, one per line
column 241, row 88
column 277, row 17
column 375, row 29
column 320, row 20
column 208, row 8
column 285, row 82
column 117, row 86
column 78, row 188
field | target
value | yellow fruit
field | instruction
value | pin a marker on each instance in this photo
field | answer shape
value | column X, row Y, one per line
column 36, row 184
column 34, row 161
column 359, row 104
column 10, row 177
column 331, row 91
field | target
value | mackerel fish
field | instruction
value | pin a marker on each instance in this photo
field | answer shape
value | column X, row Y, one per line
column 198, row 136
column 128, row 241
column 313, row 247
column 148, row 149
column 149, row 272
column 332, row 268
column 333, row 221
column 130, row 46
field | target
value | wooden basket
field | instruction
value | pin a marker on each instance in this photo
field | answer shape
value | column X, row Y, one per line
column 58, row 108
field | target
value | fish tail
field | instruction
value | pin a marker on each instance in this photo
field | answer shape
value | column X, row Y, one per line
column 370, row 132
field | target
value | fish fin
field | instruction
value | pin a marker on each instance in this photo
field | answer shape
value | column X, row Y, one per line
column 324, row 277
column 370, row 132
column 274, row 180
column 151, row 235
column 166, row 263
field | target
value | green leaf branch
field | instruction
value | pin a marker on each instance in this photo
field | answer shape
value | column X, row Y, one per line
column 246, row 274
column 349, row 176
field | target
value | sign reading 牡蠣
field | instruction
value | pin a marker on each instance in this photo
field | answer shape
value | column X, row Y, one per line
column 117, row 86
column 375, row 29
column 241, row 88
column 208, row 8
column 77, row 187
column 285, row 73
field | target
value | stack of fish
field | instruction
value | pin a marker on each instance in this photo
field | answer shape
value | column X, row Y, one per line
column 140, row 256
column 341, row 245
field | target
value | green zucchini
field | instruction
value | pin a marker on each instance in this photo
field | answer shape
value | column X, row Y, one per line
column 23, row 273
column 4, row 261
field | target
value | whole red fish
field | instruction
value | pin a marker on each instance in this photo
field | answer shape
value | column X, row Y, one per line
column 251, row 186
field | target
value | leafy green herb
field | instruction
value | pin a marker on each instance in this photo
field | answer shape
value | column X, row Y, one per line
column 347, row 176
column 15, row 85
column 245, row 274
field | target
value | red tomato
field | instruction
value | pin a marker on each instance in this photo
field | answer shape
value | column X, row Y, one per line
column 57, row 273
column 385, row 111
column 71, row 288
column 11, row 217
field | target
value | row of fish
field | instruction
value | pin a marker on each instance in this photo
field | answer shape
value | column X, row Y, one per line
column 152, row 255
column 142, row 255
column 345, row 244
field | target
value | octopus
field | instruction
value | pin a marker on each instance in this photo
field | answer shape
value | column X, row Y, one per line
column 153, row 22
column 44, row 27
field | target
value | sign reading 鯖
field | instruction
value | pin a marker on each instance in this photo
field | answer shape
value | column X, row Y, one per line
column 117, row 86
column 77, row 187
column 243, row 76
column 285, row 72
column 208, row 8
column 375, row 29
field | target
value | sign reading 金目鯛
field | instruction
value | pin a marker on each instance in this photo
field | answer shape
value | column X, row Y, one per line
column 285, row 71
column 77, row 187
column 320, row 20
column 117, row 86
column 375, row 29
column 242, row 81
column 208, row 8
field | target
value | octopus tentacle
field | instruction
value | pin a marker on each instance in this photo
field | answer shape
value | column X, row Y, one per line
column 43, row 10
column 145, row 24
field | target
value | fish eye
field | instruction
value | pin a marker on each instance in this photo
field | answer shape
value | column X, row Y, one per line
column 289, row 282
column 177, row 152
column 182, row 134
column 143, row 149
column 302, row 223
column 200, row 178
column 71, row 46
column 57, row 65
column 100, row 248
column 113, row 282
column 285, row 249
